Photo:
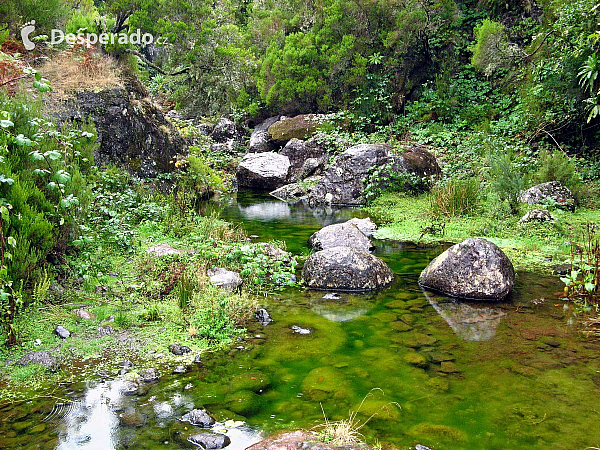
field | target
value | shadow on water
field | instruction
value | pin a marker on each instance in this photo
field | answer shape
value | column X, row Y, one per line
column 508, row 375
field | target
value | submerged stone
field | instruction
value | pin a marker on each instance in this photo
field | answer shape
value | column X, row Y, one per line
column 209, row 440
column 199, row 417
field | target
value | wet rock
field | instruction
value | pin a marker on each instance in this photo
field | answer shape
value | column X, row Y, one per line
column 346, row 179
column 367, row 226
column 198, row 359
column 83, row 314
column 178, row 349
column 340, row 235
column 106, row 330
column 260, row 141
column 300, row 152
column 41, row 357
column 225, row 279
column 302, row 126
column 553, row 192
column 149, row 375
column 209, row 440
column 132, row 387
column 126, row 367
column 536, row 215
column 263, row 171
column 298, row 330
column 346, row 268
column 474, row 269
column 263, row 316
column 199, row 417
column 62, row 332
column 293, row 192
column 332, row 296
column 421, row 447
column 159, row 250
column 180, row 370
column 132, row 419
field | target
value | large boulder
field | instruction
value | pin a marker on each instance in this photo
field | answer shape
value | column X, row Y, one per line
column 132, row 131
column 346, row 179
column 340, row 235
column 43, row 358
column 552, row 191
column 306, row 157
column 225, row 279
column 263, row 171
column 474, row 269
column 260, row 141
column 366, row 225
column 302, row 126
column 346, row 269
column 226, row 130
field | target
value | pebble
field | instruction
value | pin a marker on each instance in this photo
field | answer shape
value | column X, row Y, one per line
column 298, row 330
column 62, row 332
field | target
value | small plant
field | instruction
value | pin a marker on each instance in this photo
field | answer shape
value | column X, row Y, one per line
column 455, row 197
column 185, row 291
column 151, row 313
column 583, row 282
column 346, row 432
column 506, row 180
column 41, row 287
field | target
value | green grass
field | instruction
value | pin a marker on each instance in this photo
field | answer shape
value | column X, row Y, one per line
column 534, row 246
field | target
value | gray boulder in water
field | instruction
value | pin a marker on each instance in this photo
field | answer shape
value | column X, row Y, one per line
column 263, row 171
column 340, row 235
column 346, row 269
column 474, row 269
column 260, row 141
column 199, row 417
column 209, row 440
column 552, row 191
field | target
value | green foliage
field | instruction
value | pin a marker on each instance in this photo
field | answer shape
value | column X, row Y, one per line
column 455, row 197
column 185, row 290
column 505, row 177
column 557, row 166
column 490, row 42
column 386, row 179
column 47, row 14
column 583, row 282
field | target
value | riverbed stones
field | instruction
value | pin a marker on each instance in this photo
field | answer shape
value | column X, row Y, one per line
column 474, row 269
column 290, row 440
column 553, row 192
column 345, row 181
column 62, row 332
column 263, row 171
column 199, row 417
column 340, row 235
column 209, row 440
column 224, row 279
column 163, row 249
column 149, row 375
column 263, row 316
column 83, row 314
column 178, row 349
column 346, row 269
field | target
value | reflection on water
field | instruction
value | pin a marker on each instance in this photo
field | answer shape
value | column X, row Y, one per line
column 266, row 211
column 472, row 322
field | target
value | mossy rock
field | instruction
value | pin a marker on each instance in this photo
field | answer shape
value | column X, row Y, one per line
column 449, row 367
column 416, row 360
column 325, row 382
column 400, row 326
column 253, row 381
column 246, row 403
column 433, row 432
column 438, row 384
column 302, row 127
column 397, row 304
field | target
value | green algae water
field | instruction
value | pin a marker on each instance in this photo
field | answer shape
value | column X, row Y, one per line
column 415, row 367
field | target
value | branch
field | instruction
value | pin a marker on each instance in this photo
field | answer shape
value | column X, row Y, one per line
column 529, row 55
column 14, row 79
column 155, row 67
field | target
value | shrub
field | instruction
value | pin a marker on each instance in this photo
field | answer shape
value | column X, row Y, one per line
column 505, row 178
column 455, row 197
column 557, row 166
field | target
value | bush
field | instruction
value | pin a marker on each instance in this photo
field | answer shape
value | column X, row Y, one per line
column 455, row 197
column 505, row 178
column 557, row 166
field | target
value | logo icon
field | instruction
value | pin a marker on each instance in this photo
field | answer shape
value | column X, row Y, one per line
column 26, row 30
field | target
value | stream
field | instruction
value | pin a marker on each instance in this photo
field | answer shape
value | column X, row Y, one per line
column 414, row 367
